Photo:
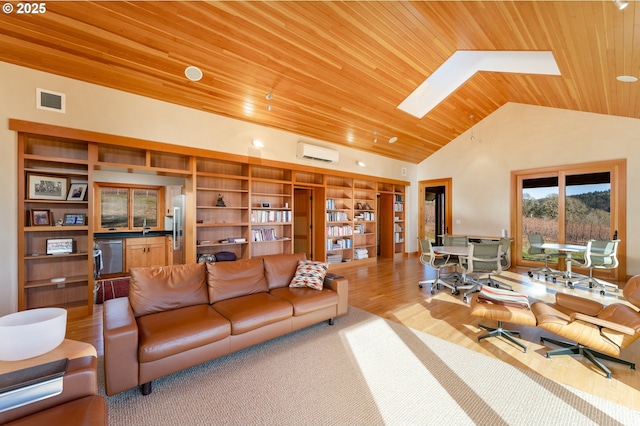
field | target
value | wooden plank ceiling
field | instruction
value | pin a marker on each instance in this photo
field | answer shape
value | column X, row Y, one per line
column 336, row 70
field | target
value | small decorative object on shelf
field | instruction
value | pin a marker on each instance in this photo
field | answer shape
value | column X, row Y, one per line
column 40, row 217
column 59, row 245
column 220, row 202
column 77, row 192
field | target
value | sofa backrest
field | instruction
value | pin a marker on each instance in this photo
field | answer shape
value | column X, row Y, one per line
column 163, row 288
column 226, row 280
column 280, row 268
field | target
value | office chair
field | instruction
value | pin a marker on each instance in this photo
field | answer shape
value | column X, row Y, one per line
column 535, row 241
column 600, row 254
column 455, row 241
column 505, row 262
column 437, row 262
column 600, row 331
column 482, row 259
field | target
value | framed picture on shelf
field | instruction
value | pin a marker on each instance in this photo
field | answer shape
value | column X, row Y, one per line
column 42, row 187
column 60, row 245
column 77, row 191
column 266, row 205
column 40, row 217
column 75, row 219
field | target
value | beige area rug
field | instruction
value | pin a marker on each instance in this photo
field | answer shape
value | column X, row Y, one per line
column 364, row 370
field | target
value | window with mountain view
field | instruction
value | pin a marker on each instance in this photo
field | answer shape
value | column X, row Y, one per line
column 569, row 205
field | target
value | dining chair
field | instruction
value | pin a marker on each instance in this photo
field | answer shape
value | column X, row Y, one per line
column 455, row 241
column 437, row 262
column 535, row 241
column 483, row 258
column 600, row 254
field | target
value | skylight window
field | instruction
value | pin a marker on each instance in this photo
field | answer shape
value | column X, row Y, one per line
column 463, row 64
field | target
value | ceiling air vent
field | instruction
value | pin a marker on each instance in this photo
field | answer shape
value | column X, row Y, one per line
column 51, row 101
column 318, row 153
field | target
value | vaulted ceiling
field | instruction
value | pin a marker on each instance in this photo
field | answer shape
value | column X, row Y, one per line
column 336, row 71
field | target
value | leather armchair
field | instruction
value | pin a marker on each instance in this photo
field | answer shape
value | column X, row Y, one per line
column 600, row 331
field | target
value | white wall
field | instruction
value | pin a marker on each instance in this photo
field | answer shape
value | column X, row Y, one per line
column 518, row 137
column 95, row 108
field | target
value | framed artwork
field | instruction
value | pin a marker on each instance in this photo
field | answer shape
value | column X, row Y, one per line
column 42, row 187
column 266, row 205
column 40, row 217
column 60, row 245
column 74, row 219
column 77, row 191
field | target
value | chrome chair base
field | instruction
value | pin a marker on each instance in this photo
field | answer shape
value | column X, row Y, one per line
column 501, row 332
column 592, row 355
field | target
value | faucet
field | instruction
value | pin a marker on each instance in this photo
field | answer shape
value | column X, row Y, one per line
column 145, row 230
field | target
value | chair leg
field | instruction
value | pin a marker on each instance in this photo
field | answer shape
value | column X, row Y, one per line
column 501, row 332
column 437, row 282
column 592, row 355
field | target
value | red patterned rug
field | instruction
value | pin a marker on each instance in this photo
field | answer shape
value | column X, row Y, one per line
column 111, row 288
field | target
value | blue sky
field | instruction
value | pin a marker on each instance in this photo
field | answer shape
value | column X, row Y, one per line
column 539, row 193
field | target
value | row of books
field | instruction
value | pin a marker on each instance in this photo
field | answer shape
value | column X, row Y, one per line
column 339, row 244
column 365, row 216
column 339, row 231
column 337, row 217
column 399, row 198
column 266, row 216
column 266, row 234
column 398, row 207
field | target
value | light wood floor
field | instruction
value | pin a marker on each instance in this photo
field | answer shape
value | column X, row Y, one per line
column 389, row 289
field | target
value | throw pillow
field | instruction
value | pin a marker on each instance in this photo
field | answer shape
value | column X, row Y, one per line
column 309, row 274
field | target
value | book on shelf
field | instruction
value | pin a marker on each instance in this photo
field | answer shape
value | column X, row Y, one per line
column 266, row 234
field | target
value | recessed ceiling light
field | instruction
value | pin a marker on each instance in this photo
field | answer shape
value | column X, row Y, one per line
column 193, row 73
column 258, row 144
column 627, row 78
column 361, row 163
column 393, row 139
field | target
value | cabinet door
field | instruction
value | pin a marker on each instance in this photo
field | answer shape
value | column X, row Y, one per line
column 135, row 253
column 156, row 254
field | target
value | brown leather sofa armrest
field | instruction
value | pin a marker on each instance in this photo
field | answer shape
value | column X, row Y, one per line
column 340, row 285
column 603, row 323
column 120, row 334
column 579, row 304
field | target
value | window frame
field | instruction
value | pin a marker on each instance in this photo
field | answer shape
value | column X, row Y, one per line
column 618, row 203
column 131, row 188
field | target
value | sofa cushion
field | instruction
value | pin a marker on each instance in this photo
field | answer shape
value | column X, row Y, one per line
column 305, row 299
column 250, row 312
column 281, row 268
column 171, row 332
column 161, row 288
column 310, row 274
column 226, row 280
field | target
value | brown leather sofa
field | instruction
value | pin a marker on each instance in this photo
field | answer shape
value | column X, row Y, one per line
column 78, row 404
column 179, row 316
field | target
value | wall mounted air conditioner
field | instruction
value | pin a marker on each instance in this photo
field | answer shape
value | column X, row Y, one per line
column 318, row 153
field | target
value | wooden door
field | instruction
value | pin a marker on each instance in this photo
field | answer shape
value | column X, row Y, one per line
column 302, row 219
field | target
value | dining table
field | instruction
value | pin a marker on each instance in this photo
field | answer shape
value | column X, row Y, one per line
column 568, row 249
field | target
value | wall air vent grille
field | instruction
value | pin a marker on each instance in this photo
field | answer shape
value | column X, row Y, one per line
column 50, row 101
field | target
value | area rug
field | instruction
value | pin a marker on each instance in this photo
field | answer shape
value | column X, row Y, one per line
column 364, row 370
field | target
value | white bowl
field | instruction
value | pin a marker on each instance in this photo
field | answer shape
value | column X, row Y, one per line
column 27, row 334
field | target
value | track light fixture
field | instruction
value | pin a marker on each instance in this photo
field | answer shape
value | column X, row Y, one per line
column 621, row 4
